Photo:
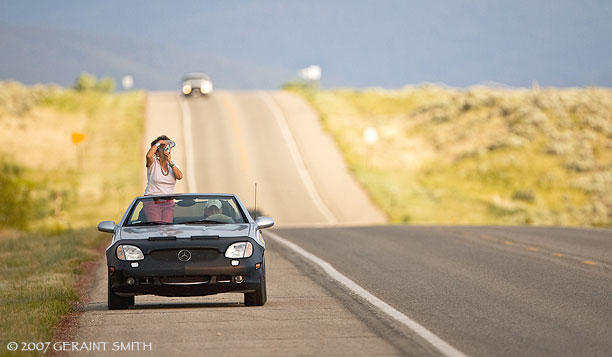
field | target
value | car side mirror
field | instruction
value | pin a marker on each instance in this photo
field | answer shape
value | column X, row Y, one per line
column 264, row 222
column 106, row 226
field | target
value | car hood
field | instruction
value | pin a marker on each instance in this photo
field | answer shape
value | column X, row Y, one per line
column 185, row 231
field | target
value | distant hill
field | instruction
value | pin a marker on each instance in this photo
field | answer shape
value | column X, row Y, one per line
column 32, row 55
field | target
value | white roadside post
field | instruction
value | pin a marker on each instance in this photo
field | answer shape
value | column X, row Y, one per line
column 370, row 136
column 127, row 82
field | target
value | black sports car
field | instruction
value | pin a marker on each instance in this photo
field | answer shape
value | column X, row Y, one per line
column 186, row 245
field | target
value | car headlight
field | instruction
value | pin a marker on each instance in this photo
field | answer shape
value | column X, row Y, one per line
column 129, row 252
column 239, row 250
column 186, row 89
column 206, row 87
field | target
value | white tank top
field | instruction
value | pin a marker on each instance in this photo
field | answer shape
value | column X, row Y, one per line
column 158, row 183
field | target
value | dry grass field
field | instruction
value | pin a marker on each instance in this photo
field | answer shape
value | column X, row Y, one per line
column 65, row 189
column 95, row 172
column 479, row 155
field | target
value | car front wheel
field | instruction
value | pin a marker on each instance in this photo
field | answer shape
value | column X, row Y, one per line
column 259, row 297
column 116, row 302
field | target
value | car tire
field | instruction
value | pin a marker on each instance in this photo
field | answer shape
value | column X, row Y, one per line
column 116, row 302
column 259, row 297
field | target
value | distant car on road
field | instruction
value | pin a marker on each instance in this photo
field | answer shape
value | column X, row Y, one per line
column 186, row 245
column 196, row 84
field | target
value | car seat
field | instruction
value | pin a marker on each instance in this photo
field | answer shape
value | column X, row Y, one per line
column 228, row 210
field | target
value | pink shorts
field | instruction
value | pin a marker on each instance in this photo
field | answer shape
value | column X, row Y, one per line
column 159, row 210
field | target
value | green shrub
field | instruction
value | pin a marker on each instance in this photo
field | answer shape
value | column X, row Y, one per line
column 15, row 196
column 17, row 99
column 85, row 82
column 524, row 195
column 105, row 85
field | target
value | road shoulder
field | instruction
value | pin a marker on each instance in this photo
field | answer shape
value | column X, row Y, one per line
column 300, row 318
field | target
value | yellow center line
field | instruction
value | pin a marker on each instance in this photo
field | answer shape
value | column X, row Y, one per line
column 488, row 237
column 244, row 162
column 554, row 254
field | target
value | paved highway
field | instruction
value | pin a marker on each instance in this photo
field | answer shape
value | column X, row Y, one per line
column 237, row 139
column 488, row 291
column 477, row 291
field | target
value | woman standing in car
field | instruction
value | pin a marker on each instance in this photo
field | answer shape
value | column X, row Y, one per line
column 162, row 174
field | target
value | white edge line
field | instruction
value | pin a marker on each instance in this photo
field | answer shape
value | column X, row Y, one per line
column 189, row 165
column 434, row 340
column 297, row 158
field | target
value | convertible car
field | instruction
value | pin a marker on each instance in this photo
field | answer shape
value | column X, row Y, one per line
column 186, row 245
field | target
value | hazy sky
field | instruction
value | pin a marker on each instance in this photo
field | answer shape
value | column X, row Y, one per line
column 358, row 43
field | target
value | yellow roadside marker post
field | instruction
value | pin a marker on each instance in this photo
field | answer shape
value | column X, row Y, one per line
column 78, row 138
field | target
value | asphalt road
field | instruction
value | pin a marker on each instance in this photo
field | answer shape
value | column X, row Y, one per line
column 274, row 139
column 484, row 290
column 488, row 291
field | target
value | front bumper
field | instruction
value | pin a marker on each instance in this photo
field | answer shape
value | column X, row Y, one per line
column 160, row 273
column 129, row 283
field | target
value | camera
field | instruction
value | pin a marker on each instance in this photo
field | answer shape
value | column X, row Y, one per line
column 169, row 145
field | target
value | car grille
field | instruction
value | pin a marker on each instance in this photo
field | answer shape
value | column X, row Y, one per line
column 185, row 280
column 171, row 255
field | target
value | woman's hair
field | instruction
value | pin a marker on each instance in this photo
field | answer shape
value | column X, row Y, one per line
column 161, row 137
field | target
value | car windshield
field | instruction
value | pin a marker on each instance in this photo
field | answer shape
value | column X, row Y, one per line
column 197, row 76
column 185, row 210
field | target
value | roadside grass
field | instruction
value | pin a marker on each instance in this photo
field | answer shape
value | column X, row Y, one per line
column 74, row 186
column 478, row 155
column 38, row 276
